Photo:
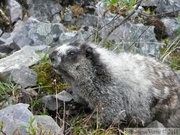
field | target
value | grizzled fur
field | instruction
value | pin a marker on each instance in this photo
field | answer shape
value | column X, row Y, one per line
column 124, row 87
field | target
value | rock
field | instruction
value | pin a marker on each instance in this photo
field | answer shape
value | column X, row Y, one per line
column 4, row 50
column 26, row 95
column 24, row 76
column 14, row 10
column 20, row 41
column 163, row 6
column 148, row 3
column 87, row 20
column 85, row 33
column 7, row 38
column 132, row 37
column 48, row 125
column 41, row 32
column 172, row 26
column 178, row 74
column 4, row 37
column 56, row 18
column 168, row 6
column 44, row 10
column 1, row 31
column 64, row 96
column 14, row 117
column 24, row 57
column 50, row 101
column 155, row 124
column 67, row 36
column 33, row 33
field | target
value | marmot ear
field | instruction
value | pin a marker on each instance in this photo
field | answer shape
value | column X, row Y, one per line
column 89, row 52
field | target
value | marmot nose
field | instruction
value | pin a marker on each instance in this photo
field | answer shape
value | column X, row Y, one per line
column 55, row 59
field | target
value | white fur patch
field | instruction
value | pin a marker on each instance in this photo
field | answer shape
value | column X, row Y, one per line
column 63, row 49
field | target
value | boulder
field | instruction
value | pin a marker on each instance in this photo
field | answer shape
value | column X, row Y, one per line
column 131, row 37
column 24, row 76
column 172, row 26
column 53, row 102
column 47, row 125
column 45, row 10
column 27, row 56
column 15, row 117
column 14, row 10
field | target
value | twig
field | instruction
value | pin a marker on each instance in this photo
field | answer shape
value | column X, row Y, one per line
column 137, row 39
column 114, row 18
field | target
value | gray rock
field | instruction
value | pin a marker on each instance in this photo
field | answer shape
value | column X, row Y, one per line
column 172, row 26
column 1, row 31
column 64, row 96
column 56, row 18
column 168, row 6
column 148, row 3
column 41, row 32
column 14, row 10
column 32, row 32
column 67, row 36
column 87, row 20
column 155, row 124
column 24, row 57
column 84, row 33
column 44, row 10
column 178, row 74
column 132, row 37
column 21, row 41
column 48, row 125
column 163, row 6
column 50, row 102
column 7, row 38
column 14, row 117
column 24, row 76
column 4, row 50
column 53, row 102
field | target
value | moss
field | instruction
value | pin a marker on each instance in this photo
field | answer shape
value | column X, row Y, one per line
column 46, row 76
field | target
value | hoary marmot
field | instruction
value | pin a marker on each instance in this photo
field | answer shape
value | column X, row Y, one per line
column 123, row 87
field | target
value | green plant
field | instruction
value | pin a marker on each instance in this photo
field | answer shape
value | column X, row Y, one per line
column 30, row 128
column 179, row 24
column 170, row 53
column 1, row 128
column 117, row 4
column 7, row 89
column 44, row 56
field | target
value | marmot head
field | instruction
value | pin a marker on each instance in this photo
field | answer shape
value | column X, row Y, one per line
column 73, row 59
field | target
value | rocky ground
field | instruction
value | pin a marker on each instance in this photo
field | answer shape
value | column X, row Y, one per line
column 33, row 98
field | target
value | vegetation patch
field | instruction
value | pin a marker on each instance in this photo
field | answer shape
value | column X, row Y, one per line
column 47, row 76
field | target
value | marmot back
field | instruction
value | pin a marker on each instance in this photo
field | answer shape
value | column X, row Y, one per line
column 124, row 87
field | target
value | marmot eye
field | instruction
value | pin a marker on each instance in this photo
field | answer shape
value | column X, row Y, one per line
column 70, row 53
